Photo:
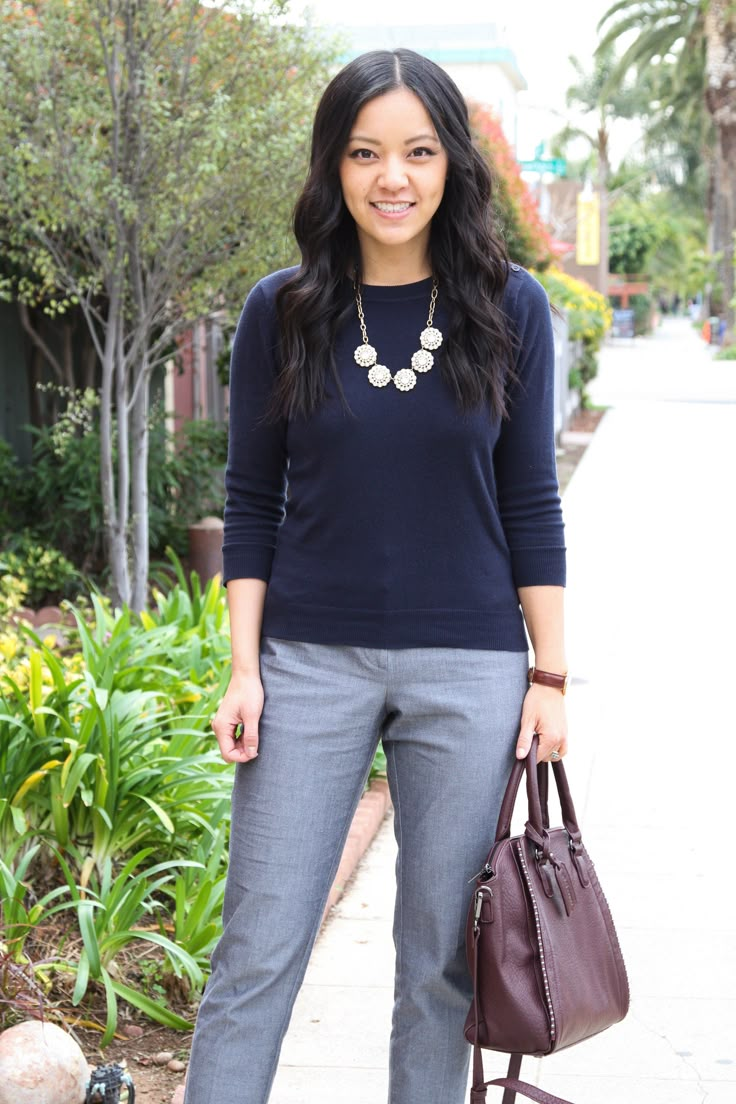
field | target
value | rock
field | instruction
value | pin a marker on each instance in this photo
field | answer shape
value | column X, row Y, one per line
column 132, row 1031
column 48, row 615
column 41, row 1064
column 176, row 1066
column 163, row 1057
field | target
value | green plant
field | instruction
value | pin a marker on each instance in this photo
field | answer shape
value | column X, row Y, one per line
column 727, row 353
column 65, row 507
column 13, row 591
column 11, row 488
column 589, row 316
column 45, row 573
column 110, row 911
column 109, row 749
column 197, row 895
column 19, row 919
column 186, row 481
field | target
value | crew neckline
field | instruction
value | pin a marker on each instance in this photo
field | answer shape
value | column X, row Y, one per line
column 419, row 289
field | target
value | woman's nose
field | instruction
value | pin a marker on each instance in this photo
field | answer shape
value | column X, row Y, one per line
column 393, row 174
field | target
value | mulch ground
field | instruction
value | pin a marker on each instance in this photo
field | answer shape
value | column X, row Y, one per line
column 145, row 1057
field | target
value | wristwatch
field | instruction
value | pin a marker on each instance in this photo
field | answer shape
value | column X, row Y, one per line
column 547, row 678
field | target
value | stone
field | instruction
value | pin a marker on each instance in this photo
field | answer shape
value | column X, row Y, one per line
column 163, row 1057
column 176, row 1065
column 132, row 1031
column 41, row 1064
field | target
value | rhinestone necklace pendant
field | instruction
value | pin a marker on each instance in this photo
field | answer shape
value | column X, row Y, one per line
column 405, row 379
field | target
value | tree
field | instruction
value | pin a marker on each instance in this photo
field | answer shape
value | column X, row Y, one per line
column 153, row 149
column 527, row 239
column 700, row 37
column 594, row 93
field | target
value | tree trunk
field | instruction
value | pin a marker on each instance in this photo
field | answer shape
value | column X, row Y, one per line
column 27, row 323
column 114, row 532
column 139, row 491
column 720, row 67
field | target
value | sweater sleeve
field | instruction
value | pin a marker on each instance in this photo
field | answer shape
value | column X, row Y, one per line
column 255, row 477
column 524, row 459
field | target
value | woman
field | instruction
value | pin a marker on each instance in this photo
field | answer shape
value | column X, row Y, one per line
column 404, row 374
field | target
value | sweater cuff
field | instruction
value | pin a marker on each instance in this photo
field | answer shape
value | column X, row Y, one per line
column 538, row 567
column 249, row 561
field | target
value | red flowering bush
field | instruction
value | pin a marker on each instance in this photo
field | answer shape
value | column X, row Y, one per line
column 527, row 239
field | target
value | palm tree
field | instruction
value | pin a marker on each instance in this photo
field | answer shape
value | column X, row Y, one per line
column 700, row 34
column 594, row 92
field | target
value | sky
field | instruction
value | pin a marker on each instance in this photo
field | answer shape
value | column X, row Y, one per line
column 541, row 33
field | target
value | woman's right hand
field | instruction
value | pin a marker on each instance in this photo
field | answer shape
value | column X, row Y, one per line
column 235, row 723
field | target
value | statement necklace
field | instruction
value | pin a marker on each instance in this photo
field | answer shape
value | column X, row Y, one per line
column 379, row 375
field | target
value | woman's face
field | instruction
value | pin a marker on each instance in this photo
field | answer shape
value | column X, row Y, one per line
column 393, row 173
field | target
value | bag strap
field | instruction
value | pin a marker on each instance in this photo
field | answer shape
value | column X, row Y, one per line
column 537, row 796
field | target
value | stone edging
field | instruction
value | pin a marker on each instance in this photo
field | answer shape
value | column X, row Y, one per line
column 372, row 808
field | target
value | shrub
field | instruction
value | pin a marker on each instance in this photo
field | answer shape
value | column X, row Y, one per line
column 589, row 317
column 63, row 500
column 44, row 575
column 12, row 479
column 526, row 236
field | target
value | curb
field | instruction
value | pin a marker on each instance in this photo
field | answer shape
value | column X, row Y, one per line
column 372, row 808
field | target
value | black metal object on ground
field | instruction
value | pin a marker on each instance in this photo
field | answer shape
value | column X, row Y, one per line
column 106, row 1083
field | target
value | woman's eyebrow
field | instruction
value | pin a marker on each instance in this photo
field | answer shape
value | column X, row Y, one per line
column 408, row 142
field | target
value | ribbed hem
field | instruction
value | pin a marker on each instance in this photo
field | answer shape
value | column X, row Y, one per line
column 246, row 562
column 421, row 628
column 538, row 567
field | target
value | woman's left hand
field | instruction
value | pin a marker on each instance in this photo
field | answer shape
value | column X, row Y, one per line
column 543, row 712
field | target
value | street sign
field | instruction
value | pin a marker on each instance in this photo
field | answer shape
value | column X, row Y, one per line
column 556, row 165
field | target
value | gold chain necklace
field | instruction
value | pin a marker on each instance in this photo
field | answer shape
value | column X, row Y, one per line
column 379, row 375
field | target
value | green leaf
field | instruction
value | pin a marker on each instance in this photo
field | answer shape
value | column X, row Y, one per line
column 151, row 1008
column 86, row 921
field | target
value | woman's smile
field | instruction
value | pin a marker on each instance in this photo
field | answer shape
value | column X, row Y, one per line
column 392, row 210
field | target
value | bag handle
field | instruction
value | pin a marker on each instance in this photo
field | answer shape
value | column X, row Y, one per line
column 537, row 796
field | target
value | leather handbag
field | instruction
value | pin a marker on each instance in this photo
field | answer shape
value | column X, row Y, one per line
column 542, row 950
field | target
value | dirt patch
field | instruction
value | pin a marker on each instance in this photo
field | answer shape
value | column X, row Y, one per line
column 574, row 443
column 145, row 1057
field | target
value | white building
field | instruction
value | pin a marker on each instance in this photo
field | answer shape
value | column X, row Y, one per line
column 476, row 56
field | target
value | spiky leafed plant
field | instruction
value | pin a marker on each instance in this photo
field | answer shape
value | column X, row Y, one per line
column 699, row 37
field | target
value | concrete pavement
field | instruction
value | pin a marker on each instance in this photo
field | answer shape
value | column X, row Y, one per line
column 651, row 610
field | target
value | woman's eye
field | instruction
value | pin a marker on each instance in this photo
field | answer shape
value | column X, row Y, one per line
column 422, row 151
column 362, row 154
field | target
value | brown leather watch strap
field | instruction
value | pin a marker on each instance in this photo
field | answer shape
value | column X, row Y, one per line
column 547, row 678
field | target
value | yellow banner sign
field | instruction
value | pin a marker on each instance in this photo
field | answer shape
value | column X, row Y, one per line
column 588, row 237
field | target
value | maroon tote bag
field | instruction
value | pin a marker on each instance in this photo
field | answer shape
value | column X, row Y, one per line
column 541, row 946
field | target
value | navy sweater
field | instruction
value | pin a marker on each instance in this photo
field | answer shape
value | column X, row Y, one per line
column 407, row 522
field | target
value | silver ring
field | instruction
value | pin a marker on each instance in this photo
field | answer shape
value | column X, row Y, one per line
column 555, row 756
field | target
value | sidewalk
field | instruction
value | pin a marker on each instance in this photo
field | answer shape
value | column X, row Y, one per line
column 651, row 608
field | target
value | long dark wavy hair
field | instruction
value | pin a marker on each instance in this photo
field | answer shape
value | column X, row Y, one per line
column 467, row 254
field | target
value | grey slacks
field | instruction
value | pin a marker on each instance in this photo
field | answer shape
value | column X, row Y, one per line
column 449, row 719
